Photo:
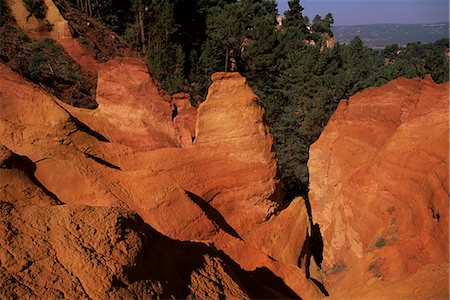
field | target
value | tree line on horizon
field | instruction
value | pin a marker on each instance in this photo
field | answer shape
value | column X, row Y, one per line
column 298, row 79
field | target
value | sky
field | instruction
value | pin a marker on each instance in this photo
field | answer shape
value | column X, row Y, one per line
column 357, row 12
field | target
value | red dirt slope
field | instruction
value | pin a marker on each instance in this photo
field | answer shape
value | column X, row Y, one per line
column 379, row 186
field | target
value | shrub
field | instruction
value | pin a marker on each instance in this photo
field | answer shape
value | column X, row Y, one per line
column 36, row 8
column 381, row 242
column 391, row 209
column 339, row 267
column 45, row 63
column 45, row 26
column 33, row 67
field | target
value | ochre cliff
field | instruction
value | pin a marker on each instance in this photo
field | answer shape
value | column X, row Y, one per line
column 207, row 191
column 204, row 183
column 378, row 190
column 147, row 196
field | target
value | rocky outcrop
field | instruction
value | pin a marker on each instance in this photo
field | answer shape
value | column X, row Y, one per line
column 71, row 179
column 133, row 110
column 185, row 117
column 146, row 196
column 92, row 252
column 230, row 122
column 378, row 189
column 206, row 176
column 61, row 161
column 18, row 184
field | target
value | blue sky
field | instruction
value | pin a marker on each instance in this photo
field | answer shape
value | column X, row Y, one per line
column 353, row 12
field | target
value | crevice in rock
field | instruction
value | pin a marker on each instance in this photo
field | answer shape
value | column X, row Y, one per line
column 29, row 167
column 86, row 129
column 436, row 215
column 320, row 286
column 117, row 283
column 213, row 214
column 312, row 248
column 83, row 127
column 174, row 112
column 102, row 161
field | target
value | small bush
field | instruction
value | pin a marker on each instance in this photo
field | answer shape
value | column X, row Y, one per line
column 45, row 63
column 24, row 37
column 36, row 8
column 339, row 267
column 375, row 269
column 391, row 209
column 381, row 242
column 45, row 26
column 33, row 67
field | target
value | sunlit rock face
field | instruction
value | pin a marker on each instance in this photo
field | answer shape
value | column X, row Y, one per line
column 378, row 189
column 205, row 176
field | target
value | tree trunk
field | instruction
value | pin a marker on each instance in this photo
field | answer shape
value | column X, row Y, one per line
column 90, row 8
column 226, row 59
column 233, row 64
column 141, row 25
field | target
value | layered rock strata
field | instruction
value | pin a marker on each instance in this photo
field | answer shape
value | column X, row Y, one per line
column 207, row 176
column 379, row 187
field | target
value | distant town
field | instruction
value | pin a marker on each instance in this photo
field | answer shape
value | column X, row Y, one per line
column 379, row 35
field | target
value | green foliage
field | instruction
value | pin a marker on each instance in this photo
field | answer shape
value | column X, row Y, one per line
column 390, row 51
column 165, row 56
column 208, row 63
column 50, row 65
column 381, row 242
column 320, row 25
column 33, row 67
column 294, row 17
column 240, row 36
column 113, row 13
column 45, row 63
column 418, row 59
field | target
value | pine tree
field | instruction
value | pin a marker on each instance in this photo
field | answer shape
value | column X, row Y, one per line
column 165, row 56
column 227, row 25
column 294, row 17
column 260, row 50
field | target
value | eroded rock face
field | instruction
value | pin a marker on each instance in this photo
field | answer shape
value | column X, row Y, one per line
column 75, row 184
column 93, row 252
column 134, row 153
column 230, row 122
column 19, row 183
column 185, row 118
column 134, row 111
column 379, row 186
column 204, row 192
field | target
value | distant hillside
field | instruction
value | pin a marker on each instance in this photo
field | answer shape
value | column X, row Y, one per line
column 380, row 35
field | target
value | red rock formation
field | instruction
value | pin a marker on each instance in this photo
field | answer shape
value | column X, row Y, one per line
column 168, row 187
column 378, row 189
column 222, row 189
column 19, row 183
column 185, row 119
column 91, row 252
column 135, row 153
column 133, row 110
